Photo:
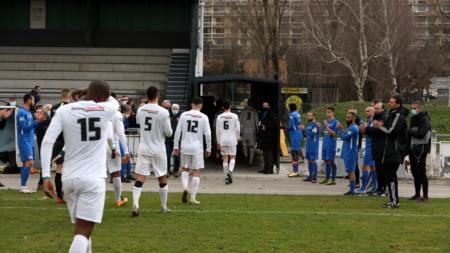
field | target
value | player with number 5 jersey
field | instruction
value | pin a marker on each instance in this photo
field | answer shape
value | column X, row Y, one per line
column 193, row 125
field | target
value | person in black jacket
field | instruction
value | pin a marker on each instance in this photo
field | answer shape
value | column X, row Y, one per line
column 378, row 142
column 40, row 132
column 36, row 93
column 268, row 128
column 174, row 118
column 420, row 129
column 395, row 131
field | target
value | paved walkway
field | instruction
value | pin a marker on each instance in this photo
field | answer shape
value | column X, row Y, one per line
column 247, row 180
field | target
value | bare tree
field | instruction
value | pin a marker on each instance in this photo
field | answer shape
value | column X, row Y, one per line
column 340, row 30
column 261, row 23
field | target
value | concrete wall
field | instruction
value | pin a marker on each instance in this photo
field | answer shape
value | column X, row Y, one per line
column 126, row 70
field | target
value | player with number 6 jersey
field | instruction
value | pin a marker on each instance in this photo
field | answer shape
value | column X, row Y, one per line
column 193, row 125
column 228, row 132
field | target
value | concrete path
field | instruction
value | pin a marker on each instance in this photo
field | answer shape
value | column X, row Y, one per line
column 248, row 181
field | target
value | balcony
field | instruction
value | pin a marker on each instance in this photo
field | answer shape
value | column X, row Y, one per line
column 296, row 35
column 219, row 23
column 208, row 13
column 221, row 12
column 207, row 23
column 218, row 35
column 419, row 13
column 421, row 24
column 207, row 35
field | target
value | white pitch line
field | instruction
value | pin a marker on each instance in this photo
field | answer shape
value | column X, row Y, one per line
column 43, row 198
column 250, row 212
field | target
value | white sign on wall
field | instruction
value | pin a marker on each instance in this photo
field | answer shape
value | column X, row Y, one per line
column 37, row 14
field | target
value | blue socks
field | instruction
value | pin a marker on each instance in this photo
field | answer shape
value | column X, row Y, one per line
column 128, row 169
column 24, row 174
column 334, row 171
column 310, row 169
column 328, row 171
column 365, row 178
column 122, row 170
column 295, row 166
column 352, row 186
column 374, row 180
column 315, row 167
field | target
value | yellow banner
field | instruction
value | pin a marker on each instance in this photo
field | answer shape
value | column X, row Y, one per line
column 291, row 90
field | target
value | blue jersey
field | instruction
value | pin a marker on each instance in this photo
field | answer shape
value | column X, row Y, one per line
column 25, row 128
column 294, row 131
column 368, row 138
column 350, row 145
column 312, row 134
column 329, row 141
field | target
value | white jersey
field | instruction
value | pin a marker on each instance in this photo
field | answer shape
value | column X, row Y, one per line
column 154, row 127
column 249, row 120
column 119, row 132
column 85, row 128
column 227, row 129
column 193, row 125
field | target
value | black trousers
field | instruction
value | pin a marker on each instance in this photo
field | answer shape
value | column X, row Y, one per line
column 391, row 171
column 381, row 176
column 268, row 160
column 357, row 172
column 419, row 172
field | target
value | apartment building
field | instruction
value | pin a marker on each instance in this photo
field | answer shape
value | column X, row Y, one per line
column 428, row 20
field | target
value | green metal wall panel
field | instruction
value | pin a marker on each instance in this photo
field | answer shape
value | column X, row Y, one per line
column 140, row 15
column 21, row 12
column 106, row 16
column 55, row 14
column 5, row 14
column 123, row 15
column 72, row 14
column 157, row 16
column 175, row 16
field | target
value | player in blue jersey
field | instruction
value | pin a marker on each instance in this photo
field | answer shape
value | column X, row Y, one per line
column 350, row 149
column 312, row 135
column 368, row 163
column 296, row 138
column 25, row 138
column 329, row 132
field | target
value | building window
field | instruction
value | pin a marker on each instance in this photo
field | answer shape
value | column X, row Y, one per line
column 220, row 30
column 297, row 41
column 432, row 7
column 243, row 41
column 421, row 43
column 218, row 41
column 421, row 31
column 421, row 20
column 431, row 20
column 422, row 8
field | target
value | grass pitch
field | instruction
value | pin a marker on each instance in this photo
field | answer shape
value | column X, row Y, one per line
column 238, row 223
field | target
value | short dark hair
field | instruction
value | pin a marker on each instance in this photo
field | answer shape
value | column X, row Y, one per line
column 353, row 114
column 197, row 101
column 331, row 109
column 226, row 104
column 26, row 98
column 152, row 93
column 313, row 113
column 37, row 86
column 375, row 101
column 398, row 99
column 418, row 103
column 293, row 107
column 352, row 108
column 113, row 95
column 268, row 103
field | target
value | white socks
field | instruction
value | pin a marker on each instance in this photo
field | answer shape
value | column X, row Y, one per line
column 252, row 153
column 195, row 184
column 136, row 195
column 89, row 248
column 225, row 169
column 244, row 150
column 185, row 179
column 163, row 195
column 79, row 244
column 117, row 183
column 232, row 162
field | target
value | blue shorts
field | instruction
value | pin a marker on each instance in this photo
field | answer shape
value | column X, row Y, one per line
column 368, row 157
column 26, row 154
column 328, row 155
column 350, row 165
column 311, row 156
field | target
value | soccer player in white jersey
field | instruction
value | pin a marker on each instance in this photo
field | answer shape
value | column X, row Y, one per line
column 155, row 125
column 192, row 125
column 249, row 120
column 227, row 133
column 114, row 165
column 85, row 127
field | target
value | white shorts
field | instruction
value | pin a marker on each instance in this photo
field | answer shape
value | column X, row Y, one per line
column 146, row 164
column 228, row 150
column 113, row 165
column 249, row 138
column 85, row 198
column 193, row 162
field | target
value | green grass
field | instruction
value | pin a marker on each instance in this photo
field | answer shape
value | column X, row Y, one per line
column 232, row 223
